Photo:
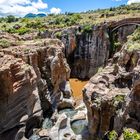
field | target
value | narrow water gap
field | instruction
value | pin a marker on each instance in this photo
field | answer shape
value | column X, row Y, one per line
column 77, row 85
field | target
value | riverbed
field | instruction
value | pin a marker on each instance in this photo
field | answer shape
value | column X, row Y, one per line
column 77, row 86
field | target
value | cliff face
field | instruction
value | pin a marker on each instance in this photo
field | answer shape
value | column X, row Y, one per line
column 89, row 49
column 112, row 95
column 86, row 51
column 40, row 73
column 19, row 99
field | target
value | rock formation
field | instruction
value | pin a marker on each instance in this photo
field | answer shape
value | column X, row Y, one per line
column 41, row 69
column 19, row 99
column 86, row 52
column 112, row 95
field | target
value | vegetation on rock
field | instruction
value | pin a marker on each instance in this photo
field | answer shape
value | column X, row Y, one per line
column 71, row 19
column 133, row 42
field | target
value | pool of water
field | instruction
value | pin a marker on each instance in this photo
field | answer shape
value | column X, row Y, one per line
column 77, row 86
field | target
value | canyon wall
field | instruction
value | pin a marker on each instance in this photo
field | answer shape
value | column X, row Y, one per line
column 112, row 95
column 86, row 52
column 19, row 99
column 34, row 82
column 34, row 76
column 89, row 48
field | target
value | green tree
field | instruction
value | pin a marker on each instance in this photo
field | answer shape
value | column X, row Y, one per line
column 11, row 18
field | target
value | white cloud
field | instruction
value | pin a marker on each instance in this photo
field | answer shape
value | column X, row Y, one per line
column 20, row 7
column 133, row 1
column 40, row 5
column 55, row 10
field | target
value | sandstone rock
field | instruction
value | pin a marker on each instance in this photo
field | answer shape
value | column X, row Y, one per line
column 105, row 102
column 40, row 70
column 19, row 93
column 51, row 68
column 112, row 96
column 86, row 52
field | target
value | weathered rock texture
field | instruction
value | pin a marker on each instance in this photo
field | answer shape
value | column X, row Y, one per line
column 19, row 99
column 86, row 52
column 112, row 95
column 50, row 65
column 41, row 69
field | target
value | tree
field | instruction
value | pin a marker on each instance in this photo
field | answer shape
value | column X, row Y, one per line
column 11, row 18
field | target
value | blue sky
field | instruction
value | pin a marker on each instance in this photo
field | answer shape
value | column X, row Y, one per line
column 22, row 7
column 83, row 5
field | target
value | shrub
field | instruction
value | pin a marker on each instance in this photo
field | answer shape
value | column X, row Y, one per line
column 11, row 30
column 4, row 43
column 34, row 25
column 22, row 31
column 117, row 45
column 112, row 135
column 4, row 26
column 136, row 35
column 131, row 135
column 11, row 18
column 58, row 35
column 87, row 29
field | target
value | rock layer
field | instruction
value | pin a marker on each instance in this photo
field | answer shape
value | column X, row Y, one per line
column 112, row 95
column 41, row 73
column 19, row 99
column 86, row 51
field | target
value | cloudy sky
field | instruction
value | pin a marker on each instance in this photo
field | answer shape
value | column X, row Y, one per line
column 23, row 7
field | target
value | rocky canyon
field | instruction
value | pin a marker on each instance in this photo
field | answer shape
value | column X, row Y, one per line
column 37, row 98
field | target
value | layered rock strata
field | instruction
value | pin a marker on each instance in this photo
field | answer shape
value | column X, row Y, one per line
column 19, row 99
column 86, row 51
column 112, row 95
column 47, row 74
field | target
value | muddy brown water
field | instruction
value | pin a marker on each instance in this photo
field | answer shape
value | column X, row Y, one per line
column 77, row 86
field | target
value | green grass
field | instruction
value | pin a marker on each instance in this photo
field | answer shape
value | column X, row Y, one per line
column 133, row 42
column 66, row 20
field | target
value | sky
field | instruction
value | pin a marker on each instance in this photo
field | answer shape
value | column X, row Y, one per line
column 22, row 7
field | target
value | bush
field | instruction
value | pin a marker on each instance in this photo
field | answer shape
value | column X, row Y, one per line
column 117, row 45
column 131, row 135
column 11, row 30
column 34, row 25
column 87, row 29
column 11, row 18
column 58, row 35
column 22, row 31
column 4, row 43
column 136, row 35
column 112, row 135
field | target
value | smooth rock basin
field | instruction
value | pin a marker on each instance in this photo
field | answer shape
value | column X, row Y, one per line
column 68, row 111
column 47, row 124
column 78, row 126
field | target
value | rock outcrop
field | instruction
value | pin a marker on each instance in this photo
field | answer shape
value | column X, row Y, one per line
column 112, row 95
column 86, row 51
column 50, row 65
column 19, row 99
column 88, row 48
column 41, row 69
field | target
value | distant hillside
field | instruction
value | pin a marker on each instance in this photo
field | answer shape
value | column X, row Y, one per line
column 31, row 15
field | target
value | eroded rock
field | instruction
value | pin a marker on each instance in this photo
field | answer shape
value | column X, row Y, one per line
column 19, row 99
column 112, row 96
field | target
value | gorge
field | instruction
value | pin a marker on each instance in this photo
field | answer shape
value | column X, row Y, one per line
column 38, row 81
